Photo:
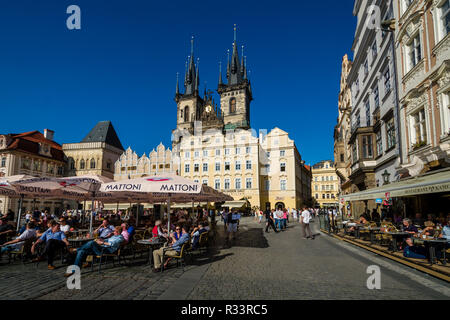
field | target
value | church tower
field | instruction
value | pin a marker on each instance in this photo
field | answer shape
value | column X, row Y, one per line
column 189, row 104
column 236, row 94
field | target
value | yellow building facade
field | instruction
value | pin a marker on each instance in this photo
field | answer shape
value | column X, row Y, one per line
column 325, row 184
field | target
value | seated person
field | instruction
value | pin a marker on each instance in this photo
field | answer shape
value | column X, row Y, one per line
column 63, row 226
column 105, row 230
column 54, row 240
column 446, row 230
column 97, row 246
column 124, row 232
column 158, row 230
column 174, row 249
column 175, row 236
column 196, row 235
column 362, row 220
column 6, row 229
column 410, row 250
column 16, row 245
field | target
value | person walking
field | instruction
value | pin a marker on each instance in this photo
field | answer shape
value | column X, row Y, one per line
column 260, row 215
column 270, row 221
column 305, row 218
column 294, row 215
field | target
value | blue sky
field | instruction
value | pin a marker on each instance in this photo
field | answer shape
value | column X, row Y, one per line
column 122, row 64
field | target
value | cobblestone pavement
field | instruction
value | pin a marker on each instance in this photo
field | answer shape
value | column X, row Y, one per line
column 255, row 266
column 284, row 266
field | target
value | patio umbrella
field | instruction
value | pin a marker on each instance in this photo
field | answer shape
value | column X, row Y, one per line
column 75, row 187
column 12, row 186
column 162, row 188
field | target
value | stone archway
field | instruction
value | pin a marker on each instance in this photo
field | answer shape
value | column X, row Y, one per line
column 279, row 204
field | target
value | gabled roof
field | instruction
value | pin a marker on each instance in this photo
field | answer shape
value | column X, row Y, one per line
column 30, row 142
column 104, row 132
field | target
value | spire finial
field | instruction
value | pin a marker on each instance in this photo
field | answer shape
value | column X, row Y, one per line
column 220, row 73
column 235, row 33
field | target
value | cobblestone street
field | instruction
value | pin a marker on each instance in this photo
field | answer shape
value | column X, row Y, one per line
column 257, row 265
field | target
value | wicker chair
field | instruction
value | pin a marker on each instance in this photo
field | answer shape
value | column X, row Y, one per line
column 180, row 257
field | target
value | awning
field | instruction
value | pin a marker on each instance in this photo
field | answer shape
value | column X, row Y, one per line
column 234, row 204
column 434, row 182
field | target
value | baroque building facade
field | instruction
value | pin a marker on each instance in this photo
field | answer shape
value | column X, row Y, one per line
column 31, row 153
column 423, row 56
column 325, row 184
column 375, row 122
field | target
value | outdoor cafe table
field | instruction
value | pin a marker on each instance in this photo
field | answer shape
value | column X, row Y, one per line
column 357, row 226
column 432, row 243
column 395, row 236
column 151, row 243
column 372, row 230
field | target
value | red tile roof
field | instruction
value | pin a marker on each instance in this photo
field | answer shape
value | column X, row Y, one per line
column 29, row 142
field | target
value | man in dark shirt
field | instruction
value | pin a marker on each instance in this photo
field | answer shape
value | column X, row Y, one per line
column 270, row 221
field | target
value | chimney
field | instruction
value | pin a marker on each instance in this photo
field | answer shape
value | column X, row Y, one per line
column 48, row 134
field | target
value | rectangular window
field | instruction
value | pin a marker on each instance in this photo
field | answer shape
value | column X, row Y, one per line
column 248, row 164
column 227, row 184
column 282, row 153
column 376, row 97
column 238, row 165
column 237, row 183
column 3, row 164
column 227, row 166
column 387, row 81
column 217, row 166
column 367, row 147
column 283, row 167
column 419, row 129
column 238, row 150
column 196, row 167
column 366, row 68
column 186, row 168
column 217, row 184
column 187, row 155
column 227, row 151
column 248, row 150
column 414, row 50
column 342, row 157
column 317, row 196
column 390, row 133
column 196, row 154
column 379, row 144
column 248, row 183
column 283, row 185
column 355, row 152
column 205, row 182
column 267, row 185
column 205, row 167
column 374, row 50
column 367, row 113
column 217, row 152
column 205, row 153
column 445, row 113
column 445, row 17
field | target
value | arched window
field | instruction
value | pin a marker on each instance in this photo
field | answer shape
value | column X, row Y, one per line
column 92, row 164
column 82, row 164
column 186, row 114
column 233, row 105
